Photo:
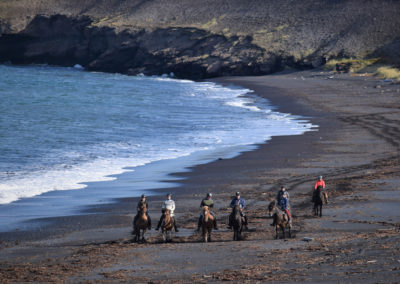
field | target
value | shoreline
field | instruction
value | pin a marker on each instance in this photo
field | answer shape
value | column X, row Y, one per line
column 355, row 149
column 185, row 170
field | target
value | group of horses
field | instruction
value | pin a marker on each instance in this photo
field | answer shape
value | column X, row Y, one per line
column 280, row 220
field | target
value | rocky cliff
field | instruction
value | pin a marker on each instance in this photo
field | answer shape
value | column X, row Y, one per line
column 197, row 39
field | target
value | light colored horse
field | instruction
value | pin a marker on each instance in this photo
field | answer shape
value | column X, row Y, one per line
column 207, row 223
column 166, row 226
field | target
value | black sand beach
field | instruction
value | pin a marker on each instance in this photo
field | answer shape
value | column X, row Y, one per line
column 356, row 149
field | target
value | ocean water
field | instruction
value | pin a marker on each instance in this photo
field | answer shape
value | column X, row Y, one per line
column 62, row 128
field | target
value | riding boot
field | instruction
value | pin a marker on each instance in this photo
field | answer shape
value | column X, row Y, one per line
column 230, row 223
column 199, row 223
column 245, row 223
column 149, row 221
column 134, row 225
column 159, row 223
column 176, row 228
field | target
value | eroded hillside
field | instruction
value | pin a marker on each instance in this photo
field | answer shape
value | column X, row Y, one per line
column 197, row 39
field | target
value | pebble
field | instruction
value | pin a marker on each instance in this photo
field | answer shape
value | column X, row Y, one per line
column 307, row 239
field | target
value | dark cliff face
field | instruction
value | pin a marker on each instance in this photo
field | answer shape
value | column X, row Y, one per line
column 197, row 39
column 187, row 52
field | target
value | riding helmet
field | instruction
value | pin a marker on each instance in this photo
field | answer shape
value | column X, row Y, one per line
column 320, row 177
column 143, row 195
column 169, row 194
column 209, row 194
column 237, row 193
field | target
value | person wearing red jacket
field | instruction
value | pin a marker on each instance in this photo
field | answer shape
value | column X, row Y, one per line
column 321, row 182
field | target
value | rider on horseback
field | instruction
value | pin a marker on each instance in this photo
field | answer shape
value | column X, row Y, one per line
column 170, row 205
column 210, row 203
column 284, row 204
column 321, row 182
column 142, row 204
column 280, row 194
column 241, row 203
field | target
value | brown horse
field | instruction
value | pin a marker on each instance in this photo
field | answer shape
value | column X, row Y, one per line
column 281, row 219
column 237, row 223
column 207, row 224
column 167, row 225
column 142, row 224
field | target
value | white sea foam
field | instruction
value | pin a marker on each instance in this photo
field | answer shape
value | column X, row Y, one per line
column 67, row 177
column 79, row 67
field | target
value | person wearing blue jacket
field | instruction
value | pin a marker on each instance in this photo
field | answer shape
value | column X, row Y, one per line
column 284, row 204
column 242, row 204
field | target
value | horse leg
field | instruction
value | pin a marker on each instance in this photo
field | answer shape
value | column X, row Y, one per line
column 320, row 210
column 204, row 235
column 143, row 232
column 209, row 235
column 276, row 232
column 283, row 231
column 164, row 235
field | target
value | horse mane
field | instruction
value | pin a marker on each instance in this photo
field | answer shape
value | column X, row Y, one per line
column 236, row 208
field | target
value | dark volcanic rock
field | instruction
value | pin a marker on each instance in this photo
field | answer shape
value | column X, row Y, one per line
column 390, row 52
column 187, row 52
column 197, row 39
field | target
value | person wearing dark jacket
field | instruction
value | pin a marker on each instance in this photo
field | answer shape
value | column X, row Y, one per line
column 210, row 203
column 284, row 204
column 242, row 204
column 142, row 204
column 280, row 194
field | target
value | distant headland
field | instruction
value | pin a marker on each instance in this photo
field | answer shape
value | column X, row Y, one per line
column 198, row 39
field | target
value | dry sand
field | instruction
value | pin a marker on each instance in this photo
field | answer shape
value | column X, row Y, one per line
column 356, row 149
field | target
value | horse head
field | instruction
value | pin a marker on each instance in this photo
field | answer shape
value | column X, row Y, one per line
column 271, row 208
column 236, row 210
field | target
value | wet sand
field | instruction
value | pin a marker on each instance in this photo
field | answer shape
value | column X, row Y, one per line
column 356, row 149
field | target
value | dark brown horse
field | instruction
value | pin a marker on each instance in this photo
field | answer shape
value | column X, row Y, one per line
column 207, row 224
column 141, row 225
column 318, row 200
column 237, row 223
column 167, row 225
column 280, row 219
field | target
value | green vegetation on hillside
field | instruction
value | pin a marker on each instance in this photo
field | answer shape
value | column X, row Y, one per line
column 370, row 66
column 388, row 73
